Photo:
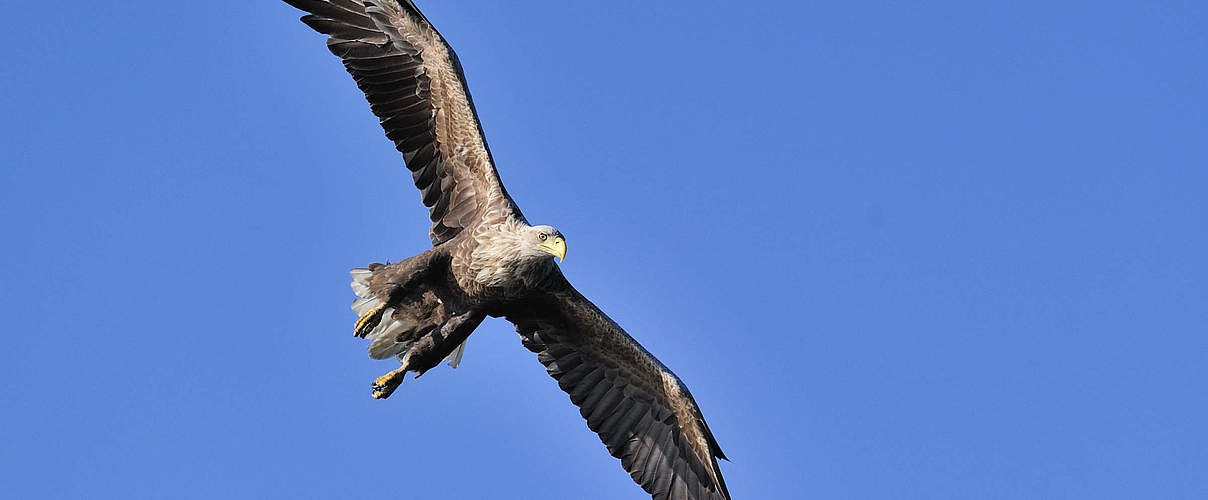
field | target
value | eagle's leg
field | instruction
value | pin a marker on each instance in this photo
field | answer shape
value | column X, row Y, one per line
column 428, row 351
column 438, row 344
column 386, row 283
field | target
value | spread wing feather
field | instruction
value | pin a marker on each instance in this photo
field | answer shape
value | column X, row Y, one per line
column 415, row 86
column 642, row 412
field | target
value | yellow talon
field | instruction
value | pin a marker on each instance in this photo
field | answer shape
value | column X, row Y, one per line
column 369, row 320
column 385, row 385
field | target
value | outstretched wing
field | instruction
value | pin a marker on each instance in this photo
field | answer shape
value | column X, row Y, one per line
column 415, row 86
column 642, row 412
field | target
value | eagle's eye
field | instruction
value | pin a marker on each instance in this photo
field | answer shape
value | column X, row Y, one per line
column 542, row 236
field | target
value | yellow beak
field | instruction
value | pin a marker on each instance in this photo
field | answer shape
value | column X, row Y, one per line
column 556, row 247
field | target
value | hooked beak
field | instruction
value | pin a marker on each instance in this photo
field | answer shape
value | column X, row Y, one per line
column 556, row 247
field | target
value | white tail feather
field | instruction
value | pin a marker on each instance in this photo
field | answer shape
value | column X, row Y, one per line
column 364, row 305
column 383, row 334
column 386, row 323
column 454, row 358
column 385, row 343
column 360, row 281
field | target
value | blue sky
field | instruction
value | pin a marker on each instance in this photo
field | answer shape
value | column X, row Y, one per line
column 949, row 250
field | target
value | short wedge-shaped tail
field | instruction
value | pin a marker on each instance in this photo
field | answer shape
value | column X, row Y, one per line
column 392, row 336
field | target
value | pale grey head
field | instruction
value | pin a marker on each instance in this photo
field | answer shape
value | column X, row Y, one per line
column 543, row 242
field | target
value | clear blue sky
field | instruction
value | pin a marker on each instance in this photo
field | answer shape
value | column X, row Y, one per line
column 951, row 250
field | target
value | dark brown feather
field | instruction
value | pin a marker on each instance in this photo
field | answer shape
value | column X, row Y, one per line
column 398, row 60
column 641, row 411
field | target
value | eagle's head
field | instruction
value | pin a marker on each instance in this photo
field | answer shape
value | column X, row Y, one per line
column 544, row 242
column 516, row 255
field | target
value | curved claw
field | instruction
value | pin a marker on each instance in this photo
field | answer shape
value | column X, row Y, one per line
column 368, row 321
column 385, row 385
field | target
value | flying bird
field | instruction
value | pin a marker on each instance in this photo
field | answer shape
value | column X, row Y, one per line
column 487, row 260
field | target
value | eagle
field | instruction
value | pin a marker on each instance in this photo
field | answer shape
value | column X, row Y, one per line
column 487, row 260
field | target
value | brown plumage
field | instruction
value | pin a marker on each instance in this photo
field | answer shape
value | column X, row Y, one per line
column 486, row 260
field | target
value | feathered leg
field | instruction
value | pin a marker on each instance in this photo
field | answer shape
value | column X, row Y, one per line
column 380, row 285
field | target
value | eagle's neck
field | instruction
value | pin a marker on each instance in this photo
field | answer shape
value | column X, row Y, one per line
column 503, row 260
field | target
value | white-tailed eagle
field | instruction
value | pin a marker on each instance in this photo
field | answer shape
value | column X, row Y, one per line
column 487, row 260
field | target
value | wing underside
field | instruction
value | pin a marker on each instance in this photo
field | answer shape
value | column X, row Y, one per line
column 642, row 412
column 416, row 87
